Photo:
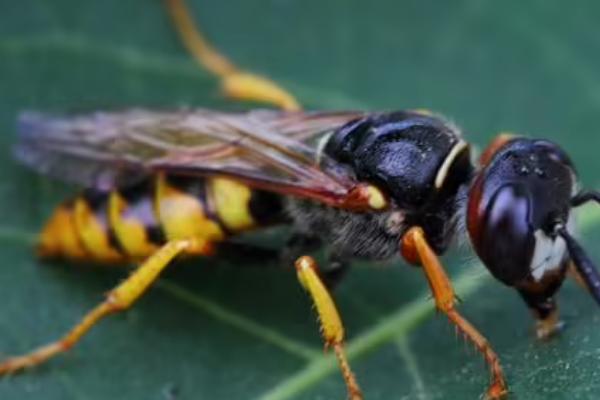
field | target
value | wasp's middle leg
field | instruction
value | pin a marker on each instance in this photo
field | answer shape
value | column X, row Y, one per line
column 332, row 328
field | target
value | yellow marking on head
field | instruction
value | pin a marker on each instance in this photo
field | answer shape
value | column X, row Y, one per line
column 131, row 233
column 448, row 161
column 331, row 323
column 182, row 216
column 377, row 200
column 231, row 201
column 93, row 233
column 59, row 236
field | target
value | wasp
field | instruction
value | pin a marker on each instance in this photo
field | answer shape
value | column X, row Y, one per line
column 163, row 184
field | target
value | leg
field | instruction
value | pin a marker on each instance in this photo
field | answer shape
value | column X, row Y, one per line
column 329, row 318
column 236, row 83
column 416, row 249
column 120, row 298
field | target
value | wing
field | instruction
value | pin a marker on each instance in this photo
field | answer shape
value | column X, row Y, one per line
column 264, row 149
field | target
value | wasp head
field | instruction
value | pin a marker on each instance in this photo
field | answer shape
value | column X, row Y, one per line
column 519, row 218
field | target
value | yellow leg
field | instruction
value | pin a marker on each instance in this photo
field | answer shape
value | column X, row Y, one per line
column 416, row 249
column 236, row 83
column 329, row 318
column 120, row 298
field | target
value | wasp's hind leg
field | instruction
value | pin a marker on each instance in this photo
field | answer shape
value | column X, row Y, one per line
column 236, row 83
column 118, row 299
column 416, row 250
column 332, row 328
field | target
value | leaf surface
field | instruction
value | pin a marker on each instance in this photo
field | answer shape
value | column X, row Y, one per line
column 213, row 329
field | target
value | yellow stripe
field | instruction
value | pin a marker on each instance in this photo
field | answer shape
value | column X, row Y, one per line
column 182, row 216
column 130, row 232
column 59, row 236
column 231, row 200
column 93, row 233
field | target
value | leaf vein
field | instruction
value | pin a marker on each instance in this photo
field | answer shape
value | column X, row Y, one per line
column 237, row 321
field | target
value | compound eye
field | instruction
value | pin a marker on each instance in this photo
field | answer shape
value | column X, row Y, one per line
column 507, row 241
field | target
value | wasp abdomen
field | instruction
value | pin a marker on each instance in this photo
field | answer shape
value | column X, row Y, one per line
column 131, row 223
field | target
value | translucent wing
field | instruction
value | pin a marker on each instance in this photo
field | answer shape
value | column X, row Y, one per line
column 265, row 149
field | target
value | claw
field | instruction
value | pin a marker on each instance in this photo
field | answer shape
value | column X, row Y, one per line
column 496, row 391
column 548, row 328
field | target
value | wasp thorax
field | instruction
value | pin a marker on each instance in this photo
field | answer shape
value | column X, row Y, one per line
column 418, row 160
column 404, row 153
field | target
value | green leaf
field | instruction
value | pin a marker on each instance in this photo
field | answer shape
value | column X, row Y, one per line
column 212, row 329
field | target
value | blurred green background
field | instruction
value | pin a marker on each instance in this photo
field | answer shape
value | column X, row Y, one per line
column 215, row 330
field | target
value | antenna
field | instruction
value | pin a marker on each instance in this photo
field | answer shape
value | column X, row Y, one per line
column 585, row 196
column 582, row 262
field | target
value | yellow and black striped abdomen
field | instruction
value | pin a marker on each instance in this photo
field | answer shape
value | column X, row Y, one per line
column 131, row 223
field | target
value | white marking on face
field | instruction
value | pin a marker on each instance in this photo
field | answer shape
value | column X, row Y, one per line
column 447, row 164
column 548, row 255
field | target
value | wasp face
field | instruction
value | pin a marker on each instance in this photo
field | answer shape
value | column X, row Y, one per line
column 517, row 203
column 419, row 160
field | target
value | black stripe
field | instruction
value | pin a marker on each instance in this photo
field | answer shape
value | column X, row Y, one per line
column 266, row 208
column 140, row 207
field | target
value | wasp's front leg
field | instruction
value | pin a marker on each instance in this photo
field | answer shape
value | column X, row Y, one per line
column 416, row 250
